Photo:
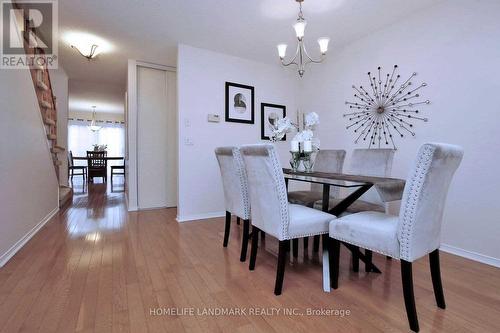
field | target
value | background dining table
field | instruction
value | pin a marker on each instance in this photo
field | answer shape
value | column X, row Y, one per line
column 109, row 158
column 389, row 189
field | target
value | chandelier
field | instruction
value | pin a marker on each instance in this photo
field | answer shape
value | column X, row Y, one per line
column 93, row 124
column 301, row 58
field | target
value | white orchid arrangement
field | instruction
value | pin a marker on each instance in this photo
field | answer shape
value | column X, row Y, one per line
column 311, row 121
column 285, row 125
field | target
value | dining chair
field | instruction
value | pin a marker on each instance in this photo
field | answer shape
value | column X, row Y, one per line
column 327, row 160
column 97, row 165
column 366, row 162
column 72, row 168
column 234, row 183
column 272, row 213
column 118, row 170
column 415, row 232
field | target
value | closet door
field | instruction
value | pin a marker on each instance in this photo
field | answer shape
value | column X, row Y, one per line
column 156, row 138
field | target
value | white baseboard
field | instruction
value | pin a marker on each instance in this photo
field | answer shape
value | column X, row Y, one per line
column 4, row 258
column 471, row 255
column 185, row 218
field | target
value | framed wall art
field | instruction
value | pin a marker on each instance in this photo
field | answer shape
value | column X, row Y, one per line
column 239, row 103
column 269, row 116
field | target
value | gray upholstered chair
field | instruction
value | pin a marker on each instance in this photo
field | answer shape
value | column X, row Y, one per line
column 366, row 162
column 326, row 161
column 412, row 235
column 271, row 211
column 235, row 186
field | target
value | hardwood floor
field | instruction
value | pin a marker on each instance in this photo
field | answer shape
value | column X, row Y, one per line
column 97, row 268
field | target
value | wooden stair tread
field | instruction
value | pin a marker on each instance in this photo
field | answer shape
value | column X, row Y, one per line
column 57, row 149
column 46, row 104
column 48, row 121
column 51, row 136
column 65, row 195
column 42, row 85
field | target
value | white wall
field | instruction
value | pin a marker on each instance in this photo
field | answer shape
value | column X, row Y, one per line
column 59, row 81
column 454, row 46
column 201, row 82
column 29, row 189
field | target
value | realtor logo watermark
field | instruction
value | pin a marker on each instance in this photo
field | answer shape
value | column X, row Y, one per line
column 28, row 34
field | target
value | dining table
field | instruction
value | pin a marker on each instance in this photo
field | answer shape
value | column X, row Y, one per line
column 109, row 158
column 389, row 189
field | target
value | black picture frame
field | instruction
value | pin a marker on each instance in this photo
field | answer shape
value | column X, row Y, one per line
column 263, row 106
column 228, row 116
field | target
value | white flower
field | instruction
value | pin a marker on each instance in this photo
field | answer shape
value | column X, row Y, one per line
column 311, row 120
column 282, row 127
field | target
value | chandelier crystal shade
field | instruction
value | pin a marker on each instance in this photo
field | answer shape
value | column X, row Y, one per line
column 301, row 57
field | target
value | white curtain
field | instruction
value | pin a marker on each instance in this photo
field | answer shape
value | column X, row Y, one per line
column 81, row 139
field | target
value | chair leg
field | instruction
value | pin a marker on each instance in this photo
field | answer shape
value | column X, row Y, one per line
column 244, row 243
column 355, row 260
column 368, row 255
column 280, row 271
column 262, row 235
column 227, row 228
column 306, row 244
column 237, row 220
column 334, row 245
column 436, row 278
column 407, row 278
column 316, row 243
column 255, row 244
column 295, row 244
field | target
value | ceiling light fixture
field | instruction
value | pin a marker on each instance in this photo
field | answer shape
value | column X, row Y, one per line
column 88, row 45
column 91, row 54
column 93, row 124
column 301, row 58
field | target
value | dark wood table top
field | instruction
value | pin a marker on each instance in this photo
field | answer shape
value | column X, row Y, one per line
column 390, row 189
column 84, row 158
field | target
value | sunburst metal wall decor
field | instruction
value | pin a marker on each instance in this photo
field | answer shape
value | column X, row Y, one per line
column 385, row 112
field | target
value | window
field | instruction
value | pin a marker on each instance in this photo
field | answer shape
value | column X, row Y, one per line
column 81, row 139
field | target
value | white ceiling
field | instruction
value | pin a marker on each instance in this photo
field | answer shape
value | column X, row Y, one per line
column 150, row 30
column 108, row 98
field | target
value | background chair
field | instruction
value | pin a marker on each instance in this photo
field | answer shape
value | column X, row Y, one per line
column 366, row 162
column 234, row 182
column 272, row 213
column 97, row 165
column 326, row 161
column 412, row 235
column 118, row 170
column 73, row 170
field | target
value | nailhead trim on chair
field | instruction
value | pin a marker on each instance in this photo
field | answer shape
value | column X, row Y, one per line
column 240, row 167
column 282, row 193
column 363, row 246
column 408, row 216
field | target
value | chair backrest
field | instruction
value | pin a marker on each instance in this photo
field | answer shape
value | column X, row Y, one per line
column 97, row 159
column 329, row 161
column 268, row 195
column 372, row 162
column 70, row 159
column 234, row 181
column 424, row 198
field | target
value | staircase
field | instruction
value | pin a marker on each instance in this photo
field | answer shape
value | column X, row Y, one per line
column 47, row 103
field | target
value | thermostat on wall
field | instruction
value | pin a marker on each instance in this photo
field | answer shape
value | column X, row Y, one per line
column 213, row 118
